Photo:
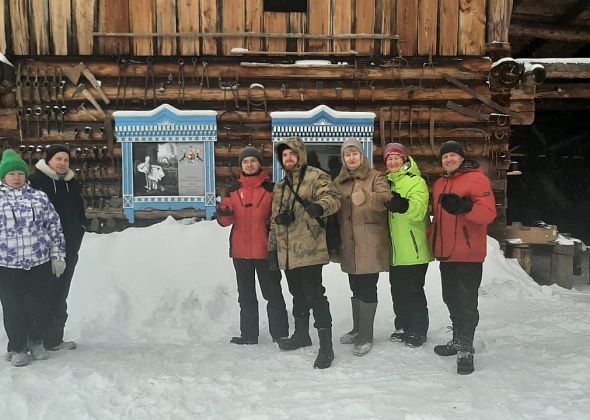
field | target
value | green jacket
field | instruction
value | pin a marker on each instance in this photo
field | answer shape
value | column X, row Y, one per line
column 408, row 231
column 302, row 242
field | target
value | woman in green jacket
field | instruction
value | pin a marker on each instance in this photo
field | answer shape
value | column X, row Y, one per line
column 408, row 226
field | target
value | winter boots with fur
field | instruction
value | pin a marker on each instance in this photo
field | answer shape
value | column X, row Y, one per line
column 300, row 337
column 364, row 339
column 326, row 352
column 350, row 336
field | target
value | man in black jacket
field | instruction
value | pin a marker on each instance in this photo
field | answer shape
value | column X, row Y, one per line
column 54, row 177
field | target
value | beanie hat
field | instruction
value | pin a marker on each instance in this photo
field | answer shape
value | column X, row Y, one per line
column 53, row 149
column 351, row 142
column 250, row 151
column 452, row 146
column 395, row 149
column 11, row 162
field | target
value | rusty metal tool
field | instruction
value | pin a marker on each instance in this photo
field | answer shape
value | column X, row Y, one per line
column 150, row 77
column 122, row 80
column 181, row 82
column 204, row 75
column 19, row 87
column 93, row 82
column 36, row 92
column 38, row 113
column 45, row 86
column 82, row 88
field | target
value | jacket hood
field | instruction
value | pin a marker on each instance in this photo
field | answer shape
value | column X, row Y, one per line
column 297, row 145
column 44, row 168
column 254, row 180
column 410, row 167
column 362, row 172
column 468, row 165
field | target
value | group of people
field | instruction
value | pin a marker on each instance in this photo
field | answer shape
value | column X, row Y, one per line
column 42, row 223
column 383, row 224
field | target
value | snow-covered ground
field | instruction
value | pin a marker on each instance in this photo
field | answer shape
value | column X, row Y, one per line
column 153, row 310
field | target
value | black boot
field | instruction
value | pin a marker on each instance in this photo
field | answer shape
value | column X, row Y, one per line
column 326, row 352
column 300, row 337
column 449, row 349
column 244, row 340
column 465, row 355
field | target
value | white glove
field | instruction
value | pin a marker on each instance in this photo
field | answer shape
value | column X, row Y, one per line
column 58, row 267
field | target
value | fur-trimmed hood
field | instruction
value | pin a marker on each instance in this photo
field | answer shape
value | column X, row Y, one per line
column 44, row 167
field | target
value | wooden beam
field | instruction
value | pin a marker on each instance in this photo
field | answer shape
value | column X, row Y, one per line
column 166, row 22
column 19, row 22
column 342, row 21
column 84, row 11
column 427, row 27
column 3, row 33
column 499, row 13
column 60, row 14
column 319, row 24
column 113, row 17
column 189, row 21
column 39, row 10
column 234, row 20
column 209, row 21
column 275, row 21
column 387, row 19
column 448, row 27
column 550, row 32
column 407, row 26
column 142, row 18
column 472, row 25
column 254, row 22
column 364, row 22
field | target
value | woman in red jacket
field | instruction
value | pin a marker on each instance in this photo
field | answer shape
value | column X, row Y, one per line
column 248, row 209
column 463, row 205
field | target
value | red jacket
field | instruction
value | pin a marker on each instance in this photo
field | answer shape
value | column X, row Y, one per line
column 250, row 205
column 462, row 238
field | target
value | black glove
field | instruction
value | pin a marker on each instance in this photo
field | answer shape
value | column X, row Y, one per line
column 273, row 261
column 454, row 204
column 314, row 209
column 234, row 186
column 397, row 204
column 268, row 185
column 223, row 210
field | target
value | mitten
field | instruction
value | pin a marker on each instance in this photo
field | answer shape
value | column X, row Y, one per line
column 314, row 209
column 58, row 268
column 454, row 204
column 268, row 185
column 397, row 204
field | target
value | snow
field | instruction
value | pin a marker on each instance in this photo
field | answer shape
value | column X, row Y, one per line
column 570, row 60
column 152, row 310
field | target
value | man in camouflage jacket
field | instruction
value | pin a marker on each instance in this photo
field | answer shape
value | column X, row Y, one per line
column 302, row 200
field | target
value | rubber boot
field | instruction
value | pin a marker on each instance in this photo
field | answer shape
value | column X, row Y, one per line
column 326, row 352
column 350, row 336
column 364, row 339
column 465, row 355
column 300, row 337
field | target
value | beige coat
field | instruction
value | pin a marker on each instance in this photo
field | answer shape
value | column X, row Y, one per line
column 363, row 220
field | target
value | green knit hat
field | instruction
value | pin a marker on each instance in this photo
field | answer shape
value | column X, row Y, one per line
column 11, row 162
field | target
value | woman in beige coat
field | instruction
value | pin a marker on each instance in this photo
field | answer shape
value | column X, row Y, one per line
column 365, row 250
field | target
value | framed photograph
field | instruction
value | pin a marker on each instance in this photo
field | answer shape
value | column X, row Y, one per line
column 168, row 159
column 323, row 130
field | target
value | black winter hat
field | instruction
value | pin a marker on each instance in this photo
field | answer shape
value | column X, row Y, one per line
column 452, row 146
column 53, row 149
column 250, row 151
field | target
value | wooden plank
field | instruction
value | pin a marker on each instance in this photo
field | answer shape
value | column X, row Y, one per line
column 298, row 24
column 142, row 18
column 113, row 16
column 3, row 34
column 427, row 26
column 254, row 12
column 407, row 26
column 387, row 19
column 166, row 22
column 39, row 10
column 499, row 13
column 472, row 26
column 448, row 32
column 19, row 21
column 275, row 22
column 60, row 15
column 83, row 13
column 189, row 17
column 364, row 23
column 343, row 24
column 234, row 20
column 209, row 24
column 319, row 23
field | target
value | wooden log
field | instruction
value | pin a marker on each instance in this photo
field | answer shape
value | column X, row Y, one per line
column 3, row 32
column 448, row 27
column 427, row 26
column 39, row 10
column 561, row 265
column 113, row 16
column 209, row 22
column 387, row 19
column 166, row 22
column 364, row 22
column 556, row 91
column 83, row 12
column 276, row 22
column 553, row 33
column 319, row 23
column 60, row 14
column 254, row 22
column 499, row 13
column 298, row 24
column 189, row 21
column 234, row 20
column 19, row 23
column 472, row 21
column 523, row 254
column 342, row 22
column 407, row 26
column 142, row 17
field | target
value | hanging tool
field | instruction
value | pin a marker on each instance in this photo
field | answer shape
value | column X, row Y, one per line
column 47, row 116
column 62, row 111
column 38, row 113
column 60, row 87
column 93, row 82
column 254, row 100
column 55, row 113
column 45, row 86
column 430, row 64
column 382, row 117
column 204, row 75
column 150, row 77
column 319, row 85
column 19, row 120
column 181, row 82
column 122, row 80
column 53, row 86
column 19, row 87
column 36, row 92
column 371, row 85
column 194, row 61
column 82, row 88
column 27, row 94
column 285, row 90
column 339, row 87
column 301, row 91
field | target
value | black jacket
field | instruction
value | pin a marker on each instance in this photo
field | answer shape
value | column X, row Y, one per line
column 66, row 196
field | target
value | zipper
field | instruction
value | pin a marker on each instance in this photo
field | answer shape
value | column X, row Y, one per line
column 466, row 234
column 415, row 244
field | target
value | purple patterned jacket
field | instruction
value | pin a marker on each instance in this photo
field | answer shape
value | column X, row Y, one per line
column 30, row 231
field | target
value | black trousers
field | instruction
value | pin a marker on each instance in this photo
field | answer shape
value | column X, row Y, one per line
column 23, row 294
column 270, row 285
column 305, row 284
column 57, row 303
column 409, row 301
column 364, row 286
column 460, row 284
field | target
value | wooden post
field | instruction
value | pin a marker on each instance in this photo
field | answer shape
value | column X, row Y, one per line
column 578, row 252
column 523, row 254
column 562, row 264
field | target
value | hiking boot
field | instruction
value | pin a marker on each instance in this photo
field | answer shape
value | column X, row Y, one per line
column 244, row 340
column 415, row 340
column 326, row 352
column 64, row 345
column 364, row 340
column 397, row 335
column 465, row 355
column 300, row 337
column 350, row 336
column 19, row 359
column 38, row 352
column 449, row 349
